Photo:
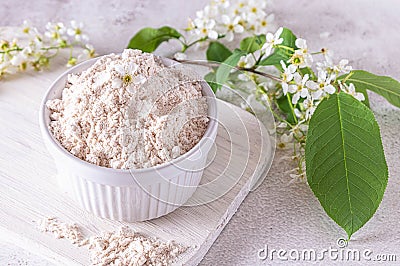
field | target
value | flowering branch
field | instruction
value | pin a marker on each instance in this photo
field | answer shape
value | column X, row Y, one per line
column 217, row 64
column 321, row 105
column 34, row 51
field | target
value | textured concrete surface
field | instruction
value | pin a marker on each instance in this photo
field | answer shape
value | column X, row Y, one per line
column 280, row 213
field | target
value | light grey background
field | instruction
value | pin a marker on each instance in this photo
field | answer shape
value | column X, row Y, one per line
column 279, row 213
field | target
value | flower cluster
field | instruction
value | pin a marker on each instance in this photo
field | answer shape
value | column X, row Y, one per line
column 300, row 84
column 36, row 49
column 270, row 69
column 225, row 19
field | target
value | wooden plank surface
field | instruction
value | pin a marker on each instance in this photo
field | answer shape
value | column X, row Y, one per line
column 29, row 192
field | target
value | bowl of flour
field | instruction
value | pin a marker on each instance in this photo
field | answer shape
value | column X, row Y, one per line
column 129, row 134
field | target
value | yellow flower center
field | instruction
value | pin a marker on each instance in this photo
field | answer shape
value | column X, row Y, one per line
column 242, row 64
column 264, row 23
column 127, row 79
column 254, row 9
column 296, row 59
column 55, row 35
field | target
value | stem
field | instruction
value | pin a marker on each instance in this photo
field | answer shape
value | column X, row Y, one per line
column 260, row 73
column 11, row 50
column 347, row 77
column 216, row 64
column 285, row 47
column 316, row 53
column 187, row 46
column 259, row 59
column 291, row 107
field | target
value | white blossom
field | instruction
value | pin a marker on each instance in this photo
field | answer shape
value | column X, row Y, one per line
column 206, row 28
column 56, row 31
column 301, row 57
column 231, row 18
column 231, row 27
column 342, row 67
column 38, row 48
column 255, row 10
column 309, row 107
column 323, row 86
column 272, row 40
column 287, row 75
column 247, row 61
column 102, row 78
column 299, row 89
column 127, row 75
column 264, row 24
column 350, row 89
column 76, row 31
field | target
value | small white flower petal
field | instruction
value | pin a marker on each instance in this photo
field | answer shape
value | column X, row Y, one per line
column 116, row 83
column 296, row 98
column 330, row 89
column 301, row 43
column 229, row 36
column 359, row 96
column 119, row 69
column 238, row 28
column 213, row 35
column 225, row 19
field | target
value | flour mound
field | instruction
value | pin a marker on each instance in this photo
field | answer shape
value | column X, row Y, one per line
column 129, row 111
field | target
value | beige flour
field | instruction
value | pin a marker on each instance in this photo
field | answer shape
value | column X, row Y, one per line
column 129, row 111
column 122, row 247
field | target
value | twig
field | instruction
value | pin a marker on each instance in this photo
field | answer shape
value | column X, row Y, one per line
column 216, row 64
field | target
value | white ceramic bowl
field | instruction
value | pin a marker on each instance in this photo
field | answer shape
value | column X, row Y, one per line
column 128, row 195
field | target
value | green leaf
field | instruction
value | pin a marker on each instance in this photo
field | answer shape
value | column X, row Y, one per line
column 274, row 59
column 253, row 43
column 382, row 85
column 284, row 52
column 148, row 39
column 289, row 39
column 211, row 80
column 225, row 68
column 345, row 162
column 309, row 71
column 284, row 105
column 217, row 52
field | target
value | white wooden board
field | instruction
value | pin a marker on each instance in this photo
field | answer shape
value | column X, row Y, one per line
column 29, row 192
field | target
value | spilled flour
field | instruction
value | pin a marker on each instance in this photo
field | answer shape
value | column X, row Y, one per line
column 129, row 111
column 121, row 247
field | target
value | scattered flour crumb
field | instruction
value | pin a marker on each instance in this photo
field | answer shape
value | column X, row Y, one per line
column 122, row 247
column 62, row 230
column 129, row 111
